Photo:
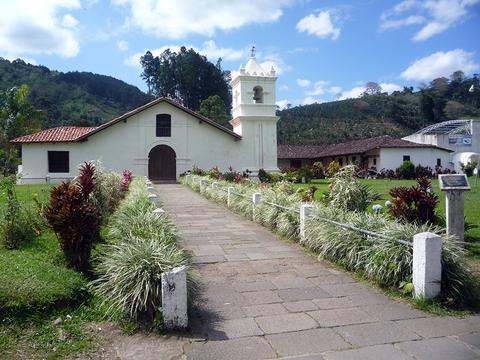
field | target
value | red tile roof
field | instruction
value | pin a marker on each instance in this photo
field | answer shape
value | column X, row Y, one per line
column 351, row 147
column 58, row 134
column 72, row 133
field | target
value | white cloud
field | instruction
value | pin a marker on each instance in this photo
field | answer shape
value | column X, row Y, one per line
column 441, row 64
column 177, row 19
column 436, row 15
column 282, row 104
column 358, row 91
column 303, row 82
column 37, row 27
column 122, row 45
column 208, row 49
column 318, row 88
column 310, row 100
column 321, row 25
column 267, row 61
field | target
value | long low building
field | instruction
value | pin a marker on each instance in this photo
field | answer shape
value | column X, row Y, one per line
column 383, row 152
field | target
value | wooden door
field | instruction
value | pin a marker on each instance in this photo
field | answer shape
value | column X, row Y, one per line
column 162, row 163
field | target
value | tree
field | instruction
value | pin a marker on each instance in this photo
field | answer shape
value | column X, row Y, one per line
column 454, row 109
column 372, row 88
column 426, row 106
column 17, row 117
column 187, row 77
column 213, row 108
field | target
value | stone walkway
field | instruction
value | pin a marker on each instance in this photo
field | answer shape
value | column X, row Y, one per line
column 263, row 298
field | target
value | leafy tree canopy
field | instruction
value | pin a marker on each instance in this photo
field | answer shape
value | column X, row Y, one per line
column 187, row 77
column 213, row 108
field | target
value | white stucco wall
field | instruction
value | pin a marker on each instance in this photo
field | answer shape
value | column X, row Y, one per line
column 392, row 158
column 126, row 145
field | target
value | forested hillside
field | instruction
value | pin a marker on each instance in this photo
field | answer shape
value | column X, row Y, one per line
column 72, row 98
column 377, row 113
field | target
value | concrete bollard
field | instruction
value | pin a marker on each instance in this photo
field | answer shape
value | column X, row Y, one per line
column 152, row 197
column 215, row 185
column 174, row 298
column 203, row 184
column 427, row 265
column 256, row 199
column 158, row 211
column 230, row 191
column 305, row 212
column 187, row 179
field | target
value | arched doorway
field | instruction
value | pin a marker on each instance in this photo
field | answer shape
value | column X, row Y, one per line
column 162, row 163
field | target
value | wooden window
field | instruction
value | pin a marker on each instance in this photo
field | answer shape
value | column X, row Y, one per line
column 439, row 162
column 164, row 125
column 58, row 162
column 375, row 161
column 406, row 157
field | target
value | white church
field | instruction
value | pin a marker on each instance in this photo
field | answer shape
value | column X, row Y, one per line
column 163, row 139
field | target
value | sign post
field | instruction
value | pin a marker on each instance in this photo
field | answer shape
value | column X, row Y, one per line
column 454, row 185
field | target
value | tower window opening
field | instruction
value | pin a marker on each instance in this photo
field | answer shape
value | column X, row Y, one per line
column 258, row 95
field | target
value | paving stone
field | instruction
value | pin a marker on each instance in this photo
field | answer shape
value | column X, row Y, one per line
column 346, row 289
column 306, row 357
column 253, row 286
column 257, row 255
column 261, row 297
column 439, row 349
column 285, row 323
column 302, row 294
column 333, row 303
column 368, row 299
column 291, row 282
column 203, row 250
column 208, row 259
column 338, row 317
column 235, row 349
column 376, row 352
column 306, row 342
column 311, row 270
column 392, row 311
column 300, row 306
column 264, row 310
column 472, row 339
column 375, row 333
column 231, row 329
column 437, row 326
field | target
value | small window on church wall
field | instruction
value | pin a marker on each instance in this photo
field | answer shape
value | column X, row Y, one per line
column 257, row 95
column 164, row 125
column 58, row 162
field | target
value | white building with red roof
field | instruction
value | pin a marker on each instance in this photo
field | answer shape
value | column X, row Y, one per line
column 163, row 139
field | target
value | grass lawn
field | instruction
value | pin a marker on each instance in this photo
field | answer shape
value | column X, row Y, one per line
column 383, row 186
column 36, row 288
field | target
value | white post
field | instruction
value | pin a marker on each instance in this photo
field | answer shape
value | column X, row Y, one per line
column 305, row 212
column 215, row 185
column 203, row 184
column 174, row 298
column 152, row 197
column 427, row 265
column 230, row 191
column 158, row 211
column 256, row 199
column 187, row 177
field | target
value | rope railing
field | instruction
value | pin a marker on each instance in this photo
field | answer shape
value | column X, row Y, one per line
column 281, row 207
column 363, row 231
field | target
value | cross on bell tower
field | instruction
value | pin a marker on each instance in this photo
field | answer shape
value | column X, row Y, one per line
column 252, row 51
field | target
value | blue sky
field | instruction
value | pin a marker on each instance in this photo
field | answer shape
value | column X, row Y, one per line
column 322, row 50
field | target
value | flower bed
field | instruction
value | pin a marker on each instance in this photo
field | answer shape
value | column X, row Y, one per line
column 388, row 262
column 141, row 246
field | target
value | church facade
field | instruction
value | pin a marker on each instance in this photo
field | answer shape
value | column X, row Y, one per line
column 163, row 139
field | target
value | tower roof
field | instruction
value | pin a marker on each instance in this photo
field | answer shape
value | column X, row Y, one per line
column 253, row 68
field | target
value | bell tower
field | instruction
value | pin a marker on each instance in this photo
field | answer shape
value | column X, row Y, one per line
column 253, row 112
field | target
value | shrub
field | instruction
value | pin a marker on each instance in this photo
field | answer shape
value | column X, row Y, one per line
column 263, row 176
column 18, row 223
column 214, row 173
column 107, row 192
column 347, row 193
column 197, row 171
column 318, row 170
column 406, row 170
column 76, row 223
column 423, row 171
column 332, row 168
column 414, row 204
column 468, row 167
column 305, row 172
column 127, row 177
